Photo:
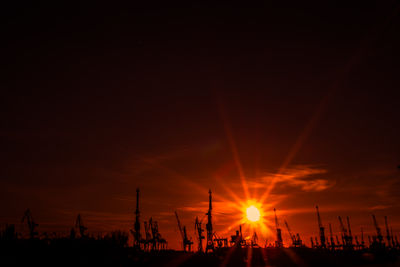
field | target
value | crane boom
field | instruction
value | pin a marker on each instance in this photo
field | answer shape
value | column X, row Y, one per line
column 31, row 223
column 279, row 241
column 331, row 237
column 387, row 232
column 319, row 218
column 179, row 226
column 80, row 226
column 276, row 220
column 290, row 233
column 321, row 229
column 350, row 236
column 342, row 228
column 378, row 229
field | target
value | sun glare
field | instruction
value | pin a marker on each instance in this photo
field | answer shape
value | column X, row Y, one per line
column 253, row 214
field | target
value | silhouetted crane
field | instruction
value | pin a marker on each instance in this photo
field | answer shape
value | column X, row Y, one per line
column 237, row 240
column 136, row 232
column 186, row 242
column 379, row 236
column 31, row 223
column 200, row 236
column 331, row 237
column 279, row 241
column 388, row 238
column 391, row 232
column 350, row 236
column 296, row 241
column 209, row 226
column 345, row 236
column 221, row 242
column 321, row 230
column 254, row 240
column 337, row 240
column 292, row 236
column 80, row 226
column 147, row 241
column 362, row 238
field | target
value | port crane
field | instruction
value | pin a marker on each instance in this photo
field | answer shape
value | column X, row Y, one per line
column 209, row 226
column 279, row 241
column 388, row 237
column 379, row 236
column 362, row 238
column 136, row 231
column 332, row 243
column 31, row 223
column 349, row 236
column 186, row 242
column 80, row 226
column 296, row 241
column 147, row 241
column 346, row 244
column 199, row 232
column 321, row 230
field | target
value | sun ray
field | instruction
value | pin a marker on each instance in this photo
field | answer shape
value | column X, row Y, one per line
column 228, row 190
column 299, row 143
column 233, row 147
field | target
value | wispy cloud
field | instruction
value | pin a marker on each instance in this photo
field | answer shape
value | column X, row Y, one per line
column 303, row 176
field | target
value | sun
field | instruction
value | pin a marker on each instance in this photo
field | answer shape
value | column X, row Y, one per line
column 253, row 214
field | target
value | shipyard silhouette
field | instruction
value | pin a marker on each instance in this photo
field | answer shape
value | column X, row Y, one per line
column 149, row 248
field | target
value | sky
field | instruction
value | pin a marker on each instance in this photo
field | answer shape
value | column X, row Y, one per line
column 286, row 106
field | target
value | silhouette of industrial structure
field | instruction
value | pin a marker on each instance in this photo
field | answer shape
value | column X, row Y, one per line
column 151, row 241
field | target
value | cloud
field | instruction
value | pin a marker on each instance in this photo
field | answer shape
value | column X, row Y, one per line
column 302, row 176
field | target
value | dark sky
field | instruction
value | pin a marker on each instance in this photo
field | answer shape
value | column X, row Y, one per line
column 97, row 100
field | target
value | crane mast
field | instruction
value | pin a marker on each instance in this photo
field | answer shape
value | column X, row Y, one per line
column 293, row 237
column 136, row 232
column 148, row 235
column 321, row 230
column 378, row 230
column 331, row 237
column 80, row 226
column 362, row 238
column 345, row 237
column 209, row 227
column 31, row 223
column 350, row 236
column 279, row 241
column 388, row 238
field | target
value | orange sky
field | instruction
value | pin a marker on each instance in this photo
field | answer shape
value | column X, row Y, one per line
column 286, row 106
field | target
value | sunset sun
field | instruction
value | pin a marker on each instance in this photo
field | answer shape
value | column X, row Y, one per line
column 253, row 214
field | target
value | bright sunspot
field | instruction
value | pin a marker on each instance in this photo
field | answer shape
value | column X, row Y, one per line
column 253, row 214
